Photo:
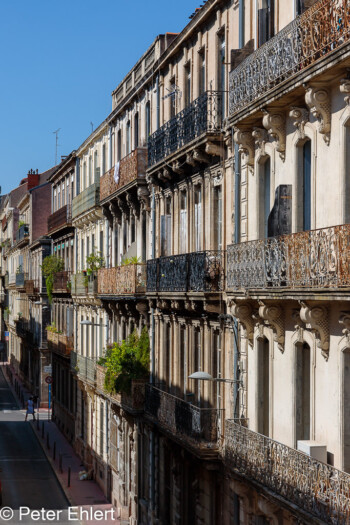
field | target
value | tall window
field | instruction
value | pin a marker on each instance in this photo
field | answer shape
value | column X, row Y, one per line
column 172, row 97
column 119, row 145
column 198, row 218
column 222, row 70
column 101, row 243
column 302, row 389
column 197, row 343
column 103, row 159
column 183, row 222
column 188, row 85
column 148, row 120
column 101, row 428
column 96, row 167
column 263, row 405
column 165, row 229
column 136, row 130
column 128, row 137
column 217, row 223
column 201, row 72
column 90, row 170
column 267, row 194
column 307, row 186
column 266, row 20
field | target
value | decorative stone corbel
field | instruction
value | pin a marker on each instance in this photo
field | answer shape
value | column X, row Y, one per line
column 228, row 138
column 260, row 138
column 178, row 168
column 344, row 320
column 214, row 149
column 190, row 160
column 123, row 206
column 345, row 89
column 143, row 196
column 316, row 319
column 300, row 117
column 318, row 101
column 201, row 156
column 246, row 147
column 298, row 336
column 275, row 124
column 133, row 203
column 166, row 174
column 273, row 317
column 243, row 312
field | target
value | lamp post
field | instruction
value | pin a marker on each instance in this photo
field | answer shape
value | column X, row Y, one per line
column 204, row 376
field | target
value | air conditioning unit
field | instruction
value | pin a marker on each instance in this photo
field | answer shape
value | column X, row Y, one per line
column 313, row 449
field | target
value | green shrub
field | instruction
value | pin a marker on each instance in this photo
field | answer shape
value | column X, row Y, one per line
column 51, row 265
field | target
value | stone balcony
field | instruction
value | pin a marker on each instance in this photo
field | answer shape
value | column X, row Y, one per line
column 315, row 259
column 132, row 402
column 189, row 272
column 86, row 200
column 59, row 343
column 197, row 427
column 59, row 219
column 131, row 168
column 200, row 118
column 312, row 39
column 315, row 487
column 122, row 280
column 61, row 282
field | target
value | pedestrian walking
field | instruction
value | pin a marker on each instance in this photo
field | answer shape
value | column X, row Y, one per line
column 30, row 408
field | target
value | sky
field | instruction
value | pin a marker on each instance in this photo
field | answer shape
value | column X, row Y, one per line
column 60, row 61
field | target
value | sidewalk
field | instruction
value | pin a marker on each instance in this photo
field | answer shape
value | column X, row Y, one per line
column 86, row 495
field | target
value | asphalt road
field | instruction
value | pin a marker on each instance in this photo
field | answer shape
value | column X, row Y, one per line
column 26, row 476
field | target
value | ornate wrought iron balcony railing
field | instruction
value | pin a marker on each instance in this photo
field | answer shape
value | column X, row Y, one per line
column 122, row 280
column 181, row 418
column 130, row 168
column 22, row 232
column 203, row 115
column 86, row 200
column 315, row 487
column 189, row 272
column 315, row 259
column 317, row 32
column 59, row 218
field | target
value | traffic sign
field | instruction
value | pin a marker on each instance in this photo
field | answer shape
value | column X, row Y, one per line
column 48, row 380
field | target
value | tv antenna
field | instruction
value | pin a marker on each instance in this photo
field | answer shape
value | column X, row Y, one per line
column 92, row 126
column 56, row 150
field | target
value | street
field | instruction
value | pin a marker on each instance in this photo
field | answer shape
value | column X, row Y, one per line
column 26, row 476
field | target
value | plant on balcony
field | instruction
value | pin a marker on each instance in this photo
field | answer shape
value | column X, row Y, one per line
column 20, row 224
column 52, row 328
column 51, row 265
column 126, row 361
column 94, row 262
column 130, row 260
column 19, row 269
column 69, row 285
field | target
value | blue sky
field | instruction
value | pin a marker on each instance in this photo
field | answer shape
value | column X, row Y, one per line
column 59, row 62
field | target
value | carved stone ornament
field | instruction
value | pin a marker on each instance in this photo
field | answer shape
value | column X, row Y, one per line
column 275, row 123
column 143, row 196
column 318, row 101
column 345, row 88
column 201, row 156
column 133, row 203
column 190, row 160
column 273, row 317
column 316, row 319
column 178, row 168
column 344, row 320
column 228, row 138
column 260, row 138
column 243, row 312
column 217, row 177
column 298, row 336
column 245, row 142
column 300, row 117
column 123, row 206
column 214, row 149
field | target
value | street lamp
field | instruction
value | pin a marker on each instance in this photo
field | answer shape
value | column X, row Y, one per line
column 204, row 376
column 86, row 322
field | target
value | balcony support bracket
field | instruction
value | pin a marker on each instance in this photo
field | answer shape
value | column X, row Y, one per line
column 317, row 320
column 243, row 312
column 275, row 124
column 301, row 117
column 273, row 316
column 246, row 145
column 318, row 101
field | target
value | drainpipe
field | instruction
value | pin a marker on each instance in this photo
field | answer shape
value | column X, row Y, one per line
column 110, row 148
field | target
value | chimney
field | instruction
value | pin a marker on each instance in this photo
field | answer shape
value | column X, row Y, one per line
column 33, row 178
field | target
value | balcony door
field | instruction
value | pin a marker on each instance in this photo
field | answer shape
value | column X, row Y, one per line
column 346, row 410
column 266, row 20
column 303, row 392
column 198, row 218
column 165, row 229
column 263, row 387
column 183, row 222
column 307, row 186
column 265, row 197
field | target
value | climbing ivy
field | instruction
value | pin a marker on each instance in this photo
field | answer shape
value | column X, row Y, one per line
column 51, row 265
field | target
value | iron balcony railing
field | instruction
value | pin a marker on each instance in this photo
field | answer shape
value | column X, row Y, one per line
column 189, row 272
column 203, row 115
column 130, row 168
column 317, row 32
column 21, row 277
column 87, row 199
column 22, row 232
column 85, row 367
column 59, row 218
column 315, row 259
column 315, row 487
column 61, row 283
column 182, row 419
column 122, row 280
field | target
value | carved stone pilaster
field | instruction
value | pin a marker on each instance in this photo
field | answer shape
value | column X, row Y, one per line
column 273, row 316
column 316, row 320
column 246, row 147
column 143, row 196
column 260, row 138
column 344, row 320
column 345, row 88
column 300, row 117
column 243, row 312
column 275, row 124
column 318, row 101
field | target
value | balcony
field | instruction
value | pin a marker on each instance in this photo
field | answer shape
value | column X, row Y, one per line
column 87, row 199
column 22, row 233
column 61, row 280
column 130, row 168
column 189, row 272
column 203, row 115
column 59, row 343
column 313, row 486
column 21, row 277
column 21, row 327
column 29, row 286
column 59, row 219
column 122, row 280
column 187, row 422
column 318, row 32
column 317, row 259
column 133, row 402
column 85, row 367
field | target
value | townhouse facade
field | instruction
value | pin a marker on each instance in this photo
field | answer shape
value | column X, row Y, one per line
column 210, row 208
